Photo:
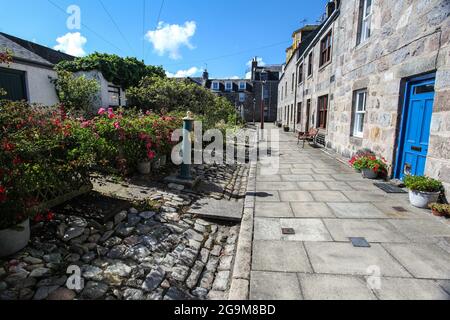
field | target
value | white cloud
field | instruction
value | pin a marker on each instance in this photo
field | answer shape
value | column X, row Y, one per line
column 183, row 73
column 248, row 75
column 260, row 62
column 234, row 78
column 169, row 38
column 71, row 43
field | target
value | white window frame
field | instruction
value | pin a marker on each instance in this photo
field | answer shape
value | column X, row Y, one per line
column 359, row 113
column 366, row 21
column 214, row 85
column 242, row 85
column 227, row 84
column 114, row 95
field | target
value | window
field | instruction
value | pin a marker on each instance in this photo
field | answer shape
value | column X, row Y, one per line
column 300, row 73
column 325, row 49
column 293, row 82
column 281, row 93
column 359, row 113
column 215, row 86
column 228, row 86
column 365, row 20
column 299, row 112
column 285, row 89
column 292, row 113
column 323, row 111
column 310, row 64
column 13, row 82
column 114, row 95
column 242, row 85
column 241, row 97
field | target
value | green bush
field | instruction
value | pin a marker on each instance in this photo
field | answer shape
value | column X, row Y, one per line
column 76, row 93
column 422, row 184
column 124, row 72
column 163, row 94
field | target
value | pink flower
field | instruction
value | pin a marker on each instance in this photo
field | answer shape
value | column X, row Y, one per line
column 151, row 155
column 85, row 124
column 111, row 113
column 101, row 111
column 117, row 125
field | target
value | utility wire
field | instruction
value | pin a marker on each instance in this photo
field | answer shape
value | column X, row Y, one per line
column 231, row 54
column 157, row 20
column 87, row 27
column 116, row 25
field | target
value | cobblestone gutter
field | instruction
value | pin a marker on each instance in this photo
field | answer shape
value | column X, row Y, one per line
column 141, row 255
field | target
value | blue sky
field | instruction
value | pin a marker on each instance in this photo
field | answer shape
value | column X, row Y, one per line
column 224, row 34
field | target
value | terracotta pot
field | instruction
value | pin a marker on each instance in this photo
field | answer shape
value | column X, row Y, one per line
column 438, row 214
column 14, row 240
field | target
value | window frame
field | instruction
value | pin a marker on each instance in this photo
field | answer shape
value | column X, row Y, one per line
column 114, row 90
column 300, row 73
column 322, row 108
column 365, row 21
column 310, row 64
column 326, row 46
column 359, row 115
column 215, row 83
column 226, row 86
column 245, row 85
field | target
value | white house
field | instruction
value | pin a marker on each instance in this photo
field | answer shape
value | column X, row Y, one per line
column 29, row 76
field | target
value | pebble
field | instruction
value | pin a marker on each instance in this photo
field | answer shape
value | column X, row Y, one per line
column 62, row 294
column 88, row 257
column 94, row 290
column 39, row 273
column 120, row 217
column 30, row 260
column 43, row 292
column 72, row 233
column 147, row 215
column 133, row 294
column 153, row 280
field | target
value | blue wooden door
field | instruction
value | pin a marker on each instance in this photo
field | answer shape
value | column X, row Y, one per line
column 417, row 125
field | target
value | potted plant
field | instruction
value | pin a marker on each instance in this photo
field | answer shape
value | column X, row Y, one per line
column 423, row 190
column 440, row 210
column 369, row 165
column 286, row 128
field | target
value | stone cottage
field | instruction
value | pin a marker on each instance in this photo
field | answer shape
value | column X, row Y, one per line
column 377, row 75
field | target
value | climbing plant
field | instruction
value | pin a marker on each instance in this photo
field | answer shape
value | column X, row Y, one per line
column 125, row 72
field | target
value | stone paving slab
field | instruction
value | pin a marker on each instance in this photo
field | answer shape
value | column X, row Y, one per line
column 269, row 178
column 372, row 230
column 218, row 209
column 424, row 230
column 365, row 196
column 297, row 178
column 272, row 209
column 306, row 230
column 296, row 196
column 338, row 186
column 323, row 177
column 267, row 229
column 274, row 286
column 343, row 258
column 329, row 196
column 276, row 186
column 422, row 260
column 311, row 210
column 312, row 186
column 334, row 287
column 267, row 196
column 356, row 210
column 410, row 289
column 280, row 256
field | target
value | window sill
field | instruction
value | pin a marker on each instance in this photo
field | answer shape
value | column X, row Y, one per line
column 322, row 67
column 362, row 44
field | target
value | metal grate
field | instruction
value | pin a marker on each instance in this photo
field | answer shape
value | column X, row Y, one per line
column 288, row 231
column 389, row 188
column 360, row 243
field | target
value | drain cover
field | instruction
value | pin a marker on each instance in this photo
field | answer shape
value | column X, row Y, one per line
column 360, row 243
column 400, row 209
column 288, row 231
column 389, row 188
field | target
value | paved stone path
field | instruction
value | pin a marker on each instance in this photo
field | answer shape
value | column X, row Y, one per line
column 326, row 203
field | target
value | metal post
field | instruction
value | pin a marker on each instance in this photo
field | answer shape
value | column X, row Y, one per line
column 254, row 111
column 188, row 126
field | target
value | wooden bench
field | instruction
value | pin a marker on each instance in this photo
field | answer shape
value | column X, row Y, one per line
column 309, row 136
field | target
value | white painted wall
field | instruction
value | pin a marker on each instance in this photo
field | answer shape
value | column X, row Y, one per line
column 39, row 88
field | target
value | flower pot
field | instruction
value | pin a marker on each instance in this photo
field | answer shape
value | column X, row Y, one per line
column 438, row 214
column 369, row 174
column 286, row 129
column 163, row 160
column 144, row 167
column 14, row 240
column 423, row 199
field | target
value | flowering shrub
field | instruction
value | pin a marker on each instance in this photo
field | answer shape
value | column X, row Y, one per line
column 422, row 184
column 37, row 151
column 369, row 161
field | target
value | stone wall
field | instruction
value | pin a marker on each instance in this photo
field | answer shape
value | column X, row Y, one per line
column 409, row 38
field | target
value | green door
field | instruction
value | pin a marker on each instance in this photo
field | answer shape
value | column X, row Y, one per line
column 13, row 82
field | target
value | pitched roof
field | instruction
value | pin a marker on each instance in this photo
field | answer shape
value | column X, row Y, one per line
column 50, row 55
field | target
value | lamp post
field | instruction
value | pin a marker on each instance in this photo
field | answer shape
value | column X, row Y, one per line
column 254, row 110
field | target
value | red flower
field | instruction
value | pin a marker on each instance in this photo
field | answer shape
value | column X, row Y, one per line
column 38, row 218
column 50, row 216
column 8, row 146
column 151, row 155
column 2, row 194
